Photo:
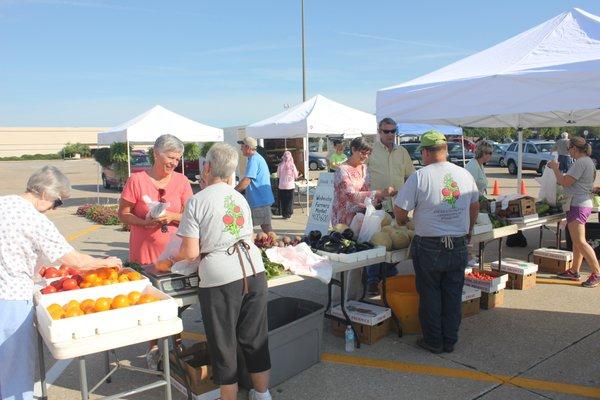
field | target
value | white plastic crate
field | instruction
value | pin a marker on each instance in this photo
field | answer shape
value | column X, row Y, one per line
column 99, row 323
column 497, row 283
column 469, row 293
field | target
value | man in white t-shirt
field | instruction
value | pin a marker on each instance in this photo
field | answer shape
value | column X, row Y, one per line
column 444, row 200
column 216, row 229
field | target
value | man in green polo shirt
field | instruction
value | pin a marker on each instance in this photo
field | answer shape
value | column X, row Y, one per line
column 337, row 158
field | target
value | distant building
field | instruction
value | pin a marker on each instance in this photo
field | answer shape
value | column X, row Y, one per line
column 16, row 141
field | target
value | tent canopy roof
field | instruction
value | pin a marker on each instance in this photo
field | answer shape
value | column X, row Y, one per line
column 546, row 76
column 317, row 116
column 145, row 128
column 419, row 129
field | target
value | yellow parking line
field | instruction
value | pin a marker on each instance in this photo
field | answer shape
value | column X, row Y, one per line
column 552, row 281
column 433, row 370
column 82, row 232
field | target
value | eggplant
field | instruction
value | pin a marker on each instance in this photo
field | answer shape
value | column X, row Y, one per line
column 348, row 234
column 336, row 237
column 332, row 247
column 314, row 236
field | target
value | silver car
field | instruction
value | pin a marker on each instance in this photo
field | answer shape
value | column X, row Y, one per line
column 498, row 154
column 536, row 155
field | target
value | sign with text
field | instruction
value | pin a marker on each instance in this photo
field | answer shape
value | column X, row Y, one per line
column 319, row 218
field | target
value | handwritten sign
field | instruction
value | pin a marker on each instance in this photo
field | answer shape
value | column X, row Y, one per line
column 320, row 210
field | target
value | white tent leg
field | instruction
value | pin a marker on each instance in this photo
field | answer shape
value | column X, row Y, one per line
column 128, row 160
column 306, row 171
column 182, row 165
column 519, row 159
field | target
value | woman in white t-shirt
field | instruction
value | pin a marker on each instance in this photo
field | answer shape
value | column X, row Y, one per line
column 216, row 229
column 28, row 240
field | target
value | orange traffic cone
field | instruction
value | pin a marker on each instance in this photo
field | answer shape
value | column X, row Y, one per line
column 496, row 190
column 523, row 190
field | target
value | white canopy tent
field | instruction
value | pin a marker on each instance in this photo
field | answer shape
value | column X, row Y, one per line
column 548, row 76
column 316, row 117
column 419, row 129
column 157, row 121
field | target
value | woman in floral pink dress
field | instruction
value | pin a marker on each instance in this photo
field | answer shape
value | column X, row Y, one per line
column 352, row 185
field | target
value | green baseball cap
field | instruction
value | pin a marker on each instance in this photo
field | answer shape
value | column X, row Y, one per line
column 431, row 138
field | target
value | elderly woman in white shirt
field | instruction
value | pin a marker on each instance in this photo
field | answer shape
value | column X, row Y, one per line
column 29, row 239
column 475, row 165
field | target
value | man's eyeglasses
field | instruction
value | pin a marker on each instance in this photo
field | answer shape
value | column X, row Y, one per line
column 57, row 203
column 389, row 131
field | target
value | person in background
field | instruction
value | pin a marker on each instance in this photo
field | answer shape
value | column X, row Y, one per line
column 338, row 157
column 390, row 165
column 483, row 153
column 217, row 229
column 578, row 183
column 257, row 184
column 287, row 173
column 148, row 237
column 445, row 202
column 352, row 185
column 562, row 148
column 28, row 240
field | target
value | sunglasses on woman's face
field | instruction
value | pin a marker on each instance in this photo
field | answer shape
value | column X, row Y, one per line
column 57, row 203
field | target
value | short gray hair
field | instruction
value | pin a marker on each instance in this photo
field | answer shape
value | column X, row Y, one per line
column 223, row 160
column 564, row 135
column 482, row 148
column 165, row 143
column 386, row 121
column 49, row 181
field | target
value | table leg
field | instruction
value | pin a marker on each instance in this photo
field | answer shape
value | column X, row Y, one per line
column 481, row 249
column 343, row 307
column 42, row 366
column 558, row 234
column 500, row 254
column 541, row 235
column 166, row 367
column 107, row 365
column 83, row 379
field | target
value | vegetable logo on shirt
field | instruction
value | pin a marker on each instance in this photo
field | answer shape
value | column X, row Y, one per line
column 450, row 192
column 233, row 218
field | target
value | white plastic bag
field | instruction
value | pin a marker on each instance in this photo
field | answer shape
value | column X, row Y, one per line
column 302, row 261
column 548, row 185
column 371, row 223
column 180, row 267
column 156, row 208
column 356, row 224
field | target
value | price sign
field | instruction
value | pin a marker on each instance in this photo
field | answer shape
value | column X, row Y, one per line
column 320, row 210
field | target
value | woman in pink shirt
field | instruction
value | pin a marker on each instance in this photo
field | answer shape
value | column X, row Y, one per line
column 149, row 236
column 287, row 174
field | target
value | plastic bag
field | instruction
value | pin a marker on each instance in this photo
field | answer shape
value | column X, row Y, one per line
column 548, row 187
column 371, row 223
column 302, row 261
column 356, row 224
column 180, row 267
column 156, row 209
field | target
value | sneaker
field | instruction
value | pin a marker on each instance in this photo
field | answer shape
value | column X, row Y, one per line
column 254, row 395
column 153, row 358
column 592, row 281
column 423, row 344
column 373, row 289
column 569, row 275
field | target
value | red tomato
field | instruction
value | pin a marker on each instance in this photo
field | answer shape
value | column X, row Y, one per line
column 42, row 271
column 48, row 289
column 57, row 285
column 70, row 284
column 51, row 272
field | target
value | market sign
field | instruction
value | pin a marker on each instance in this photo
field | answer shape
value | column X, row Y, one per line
column 320, row 211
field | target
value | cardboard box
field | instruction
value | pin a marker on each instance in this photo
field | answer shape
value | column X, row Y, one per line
column 515, row 266
column 563, row 255
column 195, row 362
column 367, row 334
column 214, row 394
column 470, row 301
column 521, row 282
column 551, row 265
column 516, row 208
column 492, row 300
column 497, row 283
column 362, row 313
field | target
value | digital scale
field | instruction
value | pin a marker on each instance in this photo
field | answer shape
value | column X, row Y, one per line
column 172, row 284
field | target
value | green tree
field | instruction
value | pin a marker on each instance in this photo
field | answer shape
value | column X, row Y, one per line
column 192, row 151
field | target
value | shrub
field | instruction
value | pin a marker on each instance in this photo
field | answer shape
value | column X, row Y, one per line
column 77, row 148
column 103, row 215
column 192, row 151
column 27, row 157
column 206, row 148
column 102, row 156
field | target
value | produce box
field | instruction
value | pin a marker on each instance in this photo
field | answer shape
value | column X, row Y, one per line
column 551, row 265
column 367, row 334
column 195, row 364
column 214, row 394
column 521, row 282
column 378, row 251
column 479, row 229
column 515, row 266
column 98, row 323
column 562, row 255
column 486, row 281
column 363, row 313
column 295, row 337
column 470, row 301
column 516, row 208
column 492, row 300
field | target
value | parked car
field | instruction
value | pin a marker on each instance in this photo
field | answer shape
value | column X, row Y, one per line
column 411, row 147
column 469, row 144
column 455, row 154
column 317, row 161
column 536, row 154
column 498, row 154
column 192, row 168
column 139, row 162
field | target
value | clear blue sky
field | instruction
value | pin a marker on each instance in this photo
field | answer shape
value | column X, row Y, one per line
column 101, row 62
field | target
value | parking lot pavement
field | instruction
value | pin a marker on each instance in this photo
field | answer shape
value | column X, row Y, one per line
column 543, row 343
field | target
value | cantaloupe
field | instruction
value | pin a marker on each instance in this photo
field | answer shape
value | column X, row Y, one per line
column 382, row 239
column 387, row 220
column 400, row 239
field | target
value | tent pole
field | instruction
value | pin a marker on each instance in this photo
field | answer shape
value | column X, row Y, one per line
column 183, row 164
column 519, row 159
column 128, row 160
column 462, row 138
column 306, row 171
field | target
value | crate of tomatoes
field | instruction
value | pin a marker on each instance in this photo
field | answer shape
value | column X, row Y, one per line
column 486, row 281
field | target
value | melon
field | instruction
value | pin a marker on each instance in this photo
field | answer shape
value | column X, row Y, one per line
column 387, row 220
column 382, row 239
column 400, row 239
